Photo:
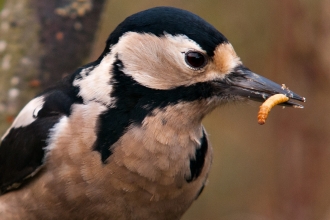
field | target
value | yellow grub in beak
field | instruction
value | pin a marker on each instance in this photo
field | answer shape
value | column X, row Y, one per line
column 268, row 105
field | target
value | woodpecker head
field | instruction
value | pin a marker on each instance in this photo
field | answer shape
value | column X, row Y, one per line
column 165, row 57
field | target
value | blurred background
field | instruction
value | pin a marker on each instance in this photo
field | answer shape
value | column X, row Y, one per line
column 278, row 171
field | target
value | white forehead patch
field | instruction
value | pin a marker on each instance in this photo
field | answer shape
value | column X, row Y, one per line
column 28, row 114
column 184, row 41
column 225, row 58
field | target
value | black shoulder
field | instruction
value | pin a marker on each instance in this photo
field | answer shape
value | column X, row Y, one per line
column 22, row 147
column 22, row 153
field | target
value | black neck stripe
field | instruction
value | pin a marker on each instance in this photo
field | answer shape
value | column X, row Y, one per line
column 135, row 102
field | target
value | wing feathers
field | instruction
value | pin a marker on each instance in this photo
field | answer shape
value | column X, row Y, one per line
column 22, row 148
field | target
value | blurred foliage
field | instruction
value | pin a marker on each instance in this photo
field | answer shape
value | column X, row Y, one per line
column 2, row 2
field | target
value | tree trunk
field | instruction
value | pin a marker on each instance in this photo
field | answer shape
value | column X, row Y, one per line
column 41, row 41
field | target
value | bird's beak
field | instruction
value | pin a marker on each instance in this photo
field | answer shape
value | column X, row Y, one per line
column 245, row 83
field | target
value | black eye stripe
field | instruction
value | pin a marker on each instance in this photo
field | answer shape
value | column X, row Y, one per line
column 195, row 59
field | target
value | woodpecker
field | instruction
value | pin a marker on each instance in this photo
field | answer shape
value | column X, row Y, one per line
column 121, row 137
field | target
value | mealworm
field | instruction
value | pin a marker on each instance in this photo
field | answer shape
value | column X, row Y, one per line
column 268, row 105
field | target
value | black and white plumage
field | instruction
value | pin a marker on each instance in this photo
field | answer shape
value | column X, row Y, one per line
column 121, row 138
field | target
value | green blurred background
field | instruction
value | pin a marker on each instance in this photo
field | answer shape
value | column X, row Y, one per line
column 278, row 171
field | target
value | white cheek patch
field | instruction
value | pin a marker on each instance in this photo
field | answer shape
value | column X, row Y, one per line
column 156, row 62
column 95, row 86
column 27, row 115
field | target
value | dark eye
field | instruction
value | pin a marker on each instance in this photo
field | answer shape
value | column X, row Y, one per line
column 196, row 60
